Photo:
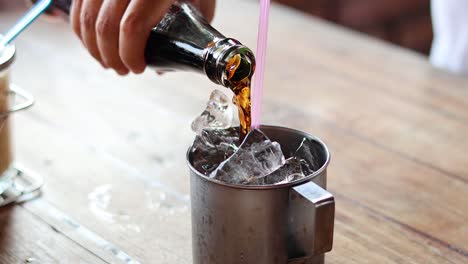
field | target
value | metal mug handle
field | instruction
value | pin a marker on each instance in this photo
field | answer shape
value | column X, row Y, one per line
column 311, row 222
column 28, row 100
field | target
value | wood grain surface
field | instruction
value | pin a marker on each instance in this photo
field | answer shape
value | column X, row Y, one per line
column 112, row 149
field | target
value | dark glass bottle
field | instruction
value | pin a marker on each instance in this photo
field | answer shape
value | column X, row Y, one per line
column 184, row 40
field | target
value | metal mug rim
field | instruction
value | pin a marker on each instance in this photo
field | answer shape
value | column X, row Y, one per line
column 273, row 186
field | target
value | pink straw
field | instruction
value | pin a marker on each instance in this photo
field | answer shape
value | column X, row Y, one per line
column 260, row 58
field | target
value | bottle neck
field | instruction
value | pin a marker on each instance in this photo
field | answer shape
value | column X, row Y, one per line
column 228, row 62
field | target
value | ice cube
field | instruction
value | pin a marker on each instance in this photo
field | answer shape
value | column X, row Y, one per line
column 290, row 171
column 217, row 115
column 307, row 154
column 303, row 163
column 211, row 147
column 256, row 157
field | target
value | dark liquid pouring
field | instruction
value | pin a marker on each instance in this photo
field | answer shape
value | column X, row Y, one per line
column 241, row 87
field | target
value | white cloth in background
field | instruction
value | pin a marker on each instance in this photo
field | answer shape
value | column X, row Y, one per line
column 450, row 46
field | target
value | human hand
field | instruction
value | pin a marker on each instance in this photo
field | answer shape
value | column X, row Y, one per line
column 115, row 32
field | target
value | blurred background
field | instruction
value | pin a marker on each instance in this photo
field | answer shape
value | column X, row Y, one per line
column 406, row 23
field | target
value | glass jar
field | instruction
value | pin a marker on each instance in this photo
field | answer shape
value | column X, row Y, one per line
column 7, row 92
column 6, row 155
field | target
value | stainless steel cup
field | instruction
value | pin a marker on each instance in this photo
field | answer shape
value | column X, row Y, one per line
column 276, row 224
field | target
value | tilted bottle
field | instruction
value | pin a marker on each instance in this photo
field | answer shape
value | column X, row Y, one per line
column 184, row 40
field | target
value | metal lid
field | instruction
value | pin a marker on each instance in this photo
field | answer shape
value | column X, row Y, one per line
column 7, row 56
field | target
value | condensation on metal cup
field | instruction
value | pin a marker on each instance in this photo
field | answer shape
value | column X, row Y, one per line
column 15, row 184
column 276, row 224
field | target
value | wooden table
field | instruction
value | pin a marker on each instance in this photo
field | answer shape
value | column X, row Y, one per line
column 112, row 149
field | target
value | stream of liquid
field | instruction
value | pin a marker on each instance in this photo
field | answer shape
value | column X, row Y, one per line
column 241, row 89
column 249, row 105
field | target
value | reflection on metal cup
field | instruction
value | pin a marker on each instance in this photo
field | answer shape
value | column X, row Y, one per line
column 272, row 224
